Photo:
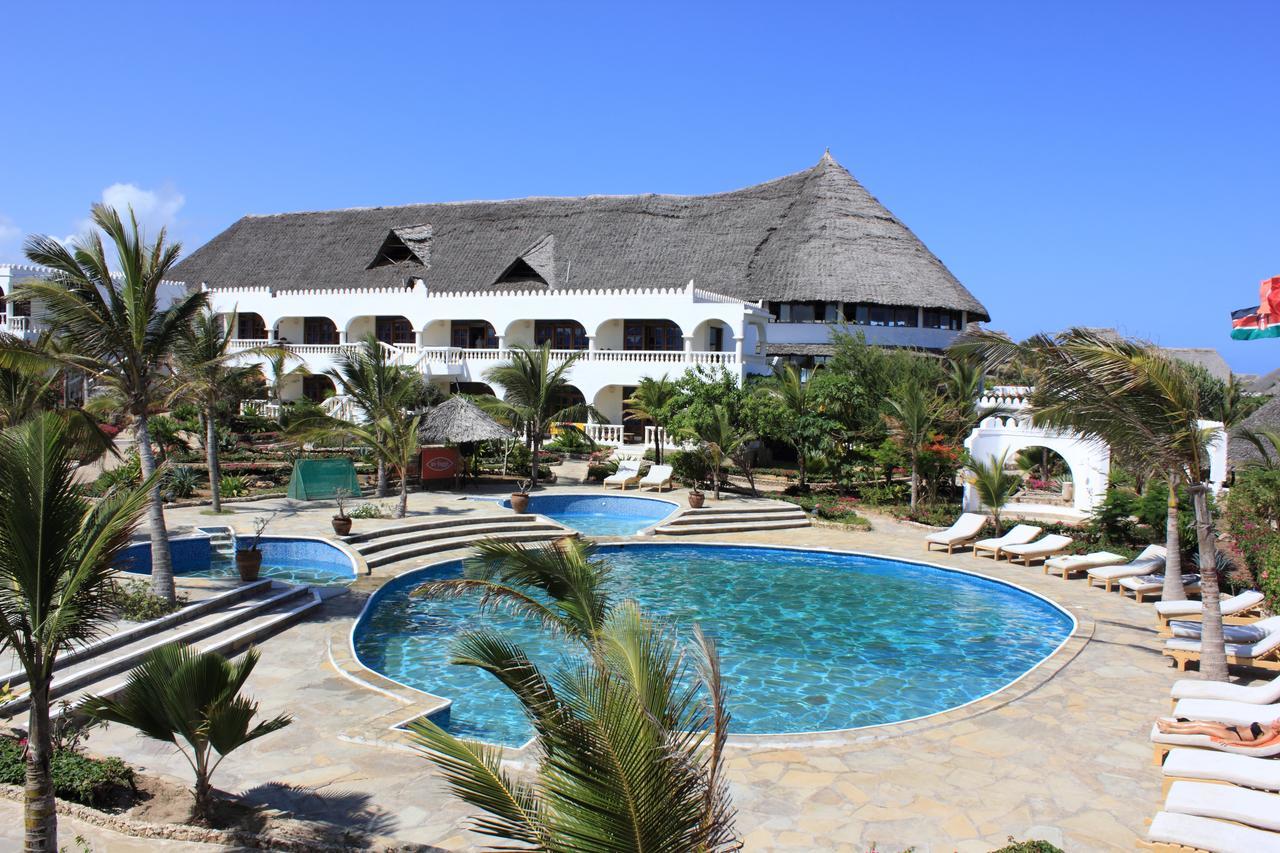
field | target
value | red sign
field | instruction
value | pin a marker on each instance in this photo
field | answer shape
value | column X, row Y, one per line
column 439, row 463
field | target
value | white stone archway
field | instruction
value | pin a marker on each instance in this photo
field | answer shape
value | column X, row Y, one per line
column 1088, row 460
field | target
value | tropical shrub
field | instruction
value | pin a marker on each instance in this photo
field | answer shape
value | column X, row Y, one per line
column 234, row 487
column 1252, row 519
column 571, row 440
column 690, row 467
column 597, row 471
column 133, row 601
column 76, row 777
column 128, row 473
column 179, row 482
column 368, row 510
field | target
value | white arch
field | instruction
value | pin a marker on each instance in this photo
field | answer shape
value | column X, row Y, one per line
column 1089, row 460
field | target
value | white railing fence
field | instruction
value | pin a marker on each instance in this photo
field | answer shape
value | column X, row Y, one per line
column 261, row 408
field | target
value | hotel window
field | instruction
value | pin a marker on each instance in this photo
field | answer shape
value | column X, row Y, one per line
column 715, row 339
column 805, row 312
column 942, row 318
column 319, row 330
column 250, row 327
column 881, row 315
column 562, row 334
column 394, row 330
column 651, row 335
column 476, row 334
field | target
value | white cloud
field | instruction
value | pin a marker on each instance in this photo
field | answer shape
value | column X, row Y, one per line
column 155, row 209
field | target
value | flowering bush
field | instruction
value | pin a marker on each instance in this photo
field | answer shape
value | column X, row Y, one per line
column 1252, row 519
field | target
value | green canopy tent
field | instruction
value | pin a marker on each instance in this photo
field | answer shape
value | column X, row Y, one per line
column 314, row 479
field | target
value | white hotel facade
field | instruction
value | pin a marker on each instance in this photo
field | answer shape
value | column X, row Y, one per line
column 637, row 285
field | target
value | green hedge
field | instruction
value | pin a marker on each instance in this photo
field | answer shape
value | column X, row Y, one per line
column 76, row 777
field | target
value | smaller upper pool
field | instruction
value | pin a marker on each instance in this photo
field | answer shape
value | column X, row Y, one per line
column 603, row 515
column 291, row 559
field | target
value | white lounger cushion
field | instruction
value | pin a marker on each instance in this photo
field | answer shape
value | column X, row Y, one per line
column 657, row 474
column 1019, row 535
column 1254, row 694
column 1076, row 562
column 1229, row 713
column 967, row 526
column 1140, row 566
column 628, row 469
column 1231, row 633
column 1231, row 605
column 1155, row 583
column 1242, row 650
column 1048, row 545
column 1224, row 802
column 1207, row 834
column 1206, row 742
column 1244, row 770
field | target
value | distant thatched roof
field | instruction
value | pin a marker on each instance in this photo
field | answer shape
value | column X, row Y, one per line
column 1208, row 358
column 1267, row 416
column 458, row 420
column 812, row 235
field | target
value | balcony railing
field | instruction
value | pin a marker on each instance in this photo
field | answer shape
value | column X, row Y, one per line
column 15, row 324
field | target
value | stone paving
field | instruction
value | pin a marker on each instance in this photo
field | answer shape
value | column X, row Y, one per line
column 1062, row 755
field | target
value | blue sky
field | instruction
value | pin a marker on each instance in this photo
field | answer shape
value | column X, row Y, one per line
column 1099, row 163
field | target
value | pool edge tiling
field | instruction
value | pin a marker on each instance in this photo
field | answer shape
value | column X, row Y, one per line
column 788, row 686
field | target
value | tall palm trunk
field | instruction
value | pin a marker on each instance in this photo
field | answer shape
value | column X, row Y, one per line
column 535, row 442
column 382, row 478
column 657, row 444
column 211, row 456
column 41, row 816
column 1173, row 590
column 161, row 561
column 1213, row 655
column 404, row 494
column 915, row 480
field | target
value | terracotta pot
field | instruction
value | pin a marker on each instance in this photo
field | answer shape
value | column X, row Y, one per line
column 520, row 502
column 248, row 564
column 697, row 499
column 341, row 524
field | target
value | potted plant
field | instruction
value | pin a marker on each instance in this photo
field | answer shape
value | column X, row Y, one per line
column 249, row 560
column 520, row 497
column 341, row 521
column 696, row 496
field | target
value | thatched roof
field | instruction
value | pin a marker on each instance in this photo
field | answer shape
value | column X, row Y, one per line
column 1266, row 417
column 458, row 420
column 1207, row 357
column 816, row 234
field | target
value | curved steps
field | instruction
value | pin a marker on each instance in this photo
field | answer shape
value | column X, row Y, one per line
column 734, row 519
column 390, row 545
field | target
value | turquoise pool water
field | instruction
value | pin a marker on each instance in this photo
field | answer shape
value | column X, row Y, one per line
column 289, row 559
column 601, row 515
column 809, row 641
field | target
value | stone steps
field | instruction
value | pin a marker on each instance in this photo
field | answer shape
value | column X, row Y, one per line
column 374, row 541
column 239, row 618
column 734, row 519
column 468, row 537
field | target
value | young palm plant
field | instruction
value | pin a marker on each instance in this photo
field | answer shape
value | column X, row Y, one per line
column 56, row 556
column 206, row 373
column 721, row 439
column 650, row 404
column 113, row 328
column 788, row 387
column 380, row 389
column 1147, row 407
column 995, row 486
column 392, row 438
column 278, row 363
column 630, row 732
column 913, row 424
column 180, row 693
column 534, row 388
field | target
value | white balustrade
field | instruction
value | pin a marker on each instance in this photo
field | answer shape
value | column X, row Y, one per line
column 609, row 435
column 342, row 407
column 262, row 408
column 666, row 440
column 17, row 324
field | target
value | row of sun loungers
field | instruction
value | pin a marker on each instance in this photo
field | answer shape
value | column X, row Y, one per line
column 1219, row 797
column 628, row 474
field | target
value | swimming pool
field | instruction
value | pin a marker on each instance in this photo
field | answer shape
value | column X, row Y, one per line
column 809, row 640
column 601, row 515
column 291, row 559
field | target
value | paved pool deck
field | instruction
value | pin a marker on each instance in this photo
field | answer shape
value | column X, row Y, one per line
column 1062, row 755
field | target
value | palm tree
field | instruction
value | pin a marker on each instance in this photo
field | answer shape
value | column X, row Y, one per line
column 534, row 393
column 278, row 361
column 650, row 403
column 1147, row 407
column 722, row 439
column 205, row 373
column 26, row 393
column 630, row 733
column 995, row 487
column 789, row 388
column 56, row 557
column 393, row 438
column 1267, row 443
column 114, row 329
column 179, row 692
column 913, row 425
column 380, row 389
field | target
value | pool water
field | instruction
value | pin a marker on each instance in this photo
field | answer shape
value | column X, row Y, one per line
column 289, row 559
column 809, row 641
column 601, row 515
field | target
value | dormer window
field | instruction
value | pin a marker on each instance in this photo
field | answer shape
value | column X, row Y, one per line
column 410, row 244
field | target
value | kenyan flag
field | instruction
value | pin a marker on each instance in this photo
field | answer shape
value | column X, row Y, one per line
column 1260, row 321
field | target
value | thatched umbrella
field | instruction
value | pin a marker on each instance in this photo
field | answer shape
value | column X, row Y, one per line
column 460, row 421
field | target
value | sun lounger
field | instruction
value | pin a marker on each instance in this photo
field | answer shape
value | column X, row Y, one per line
column 1255, row 694
column 628, row 472
column 1149, row 562
column 1264, row 654
column 1020, row 535
column 1171, row 832
column 1227, row 713
column 1225, row 802
column 1204, row 765
column 1163, row 743
column 658, row 476
column 1041, row 549
column 1236, row 609
column 1069, row 564
column 965, row 529
column 1143, row 587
